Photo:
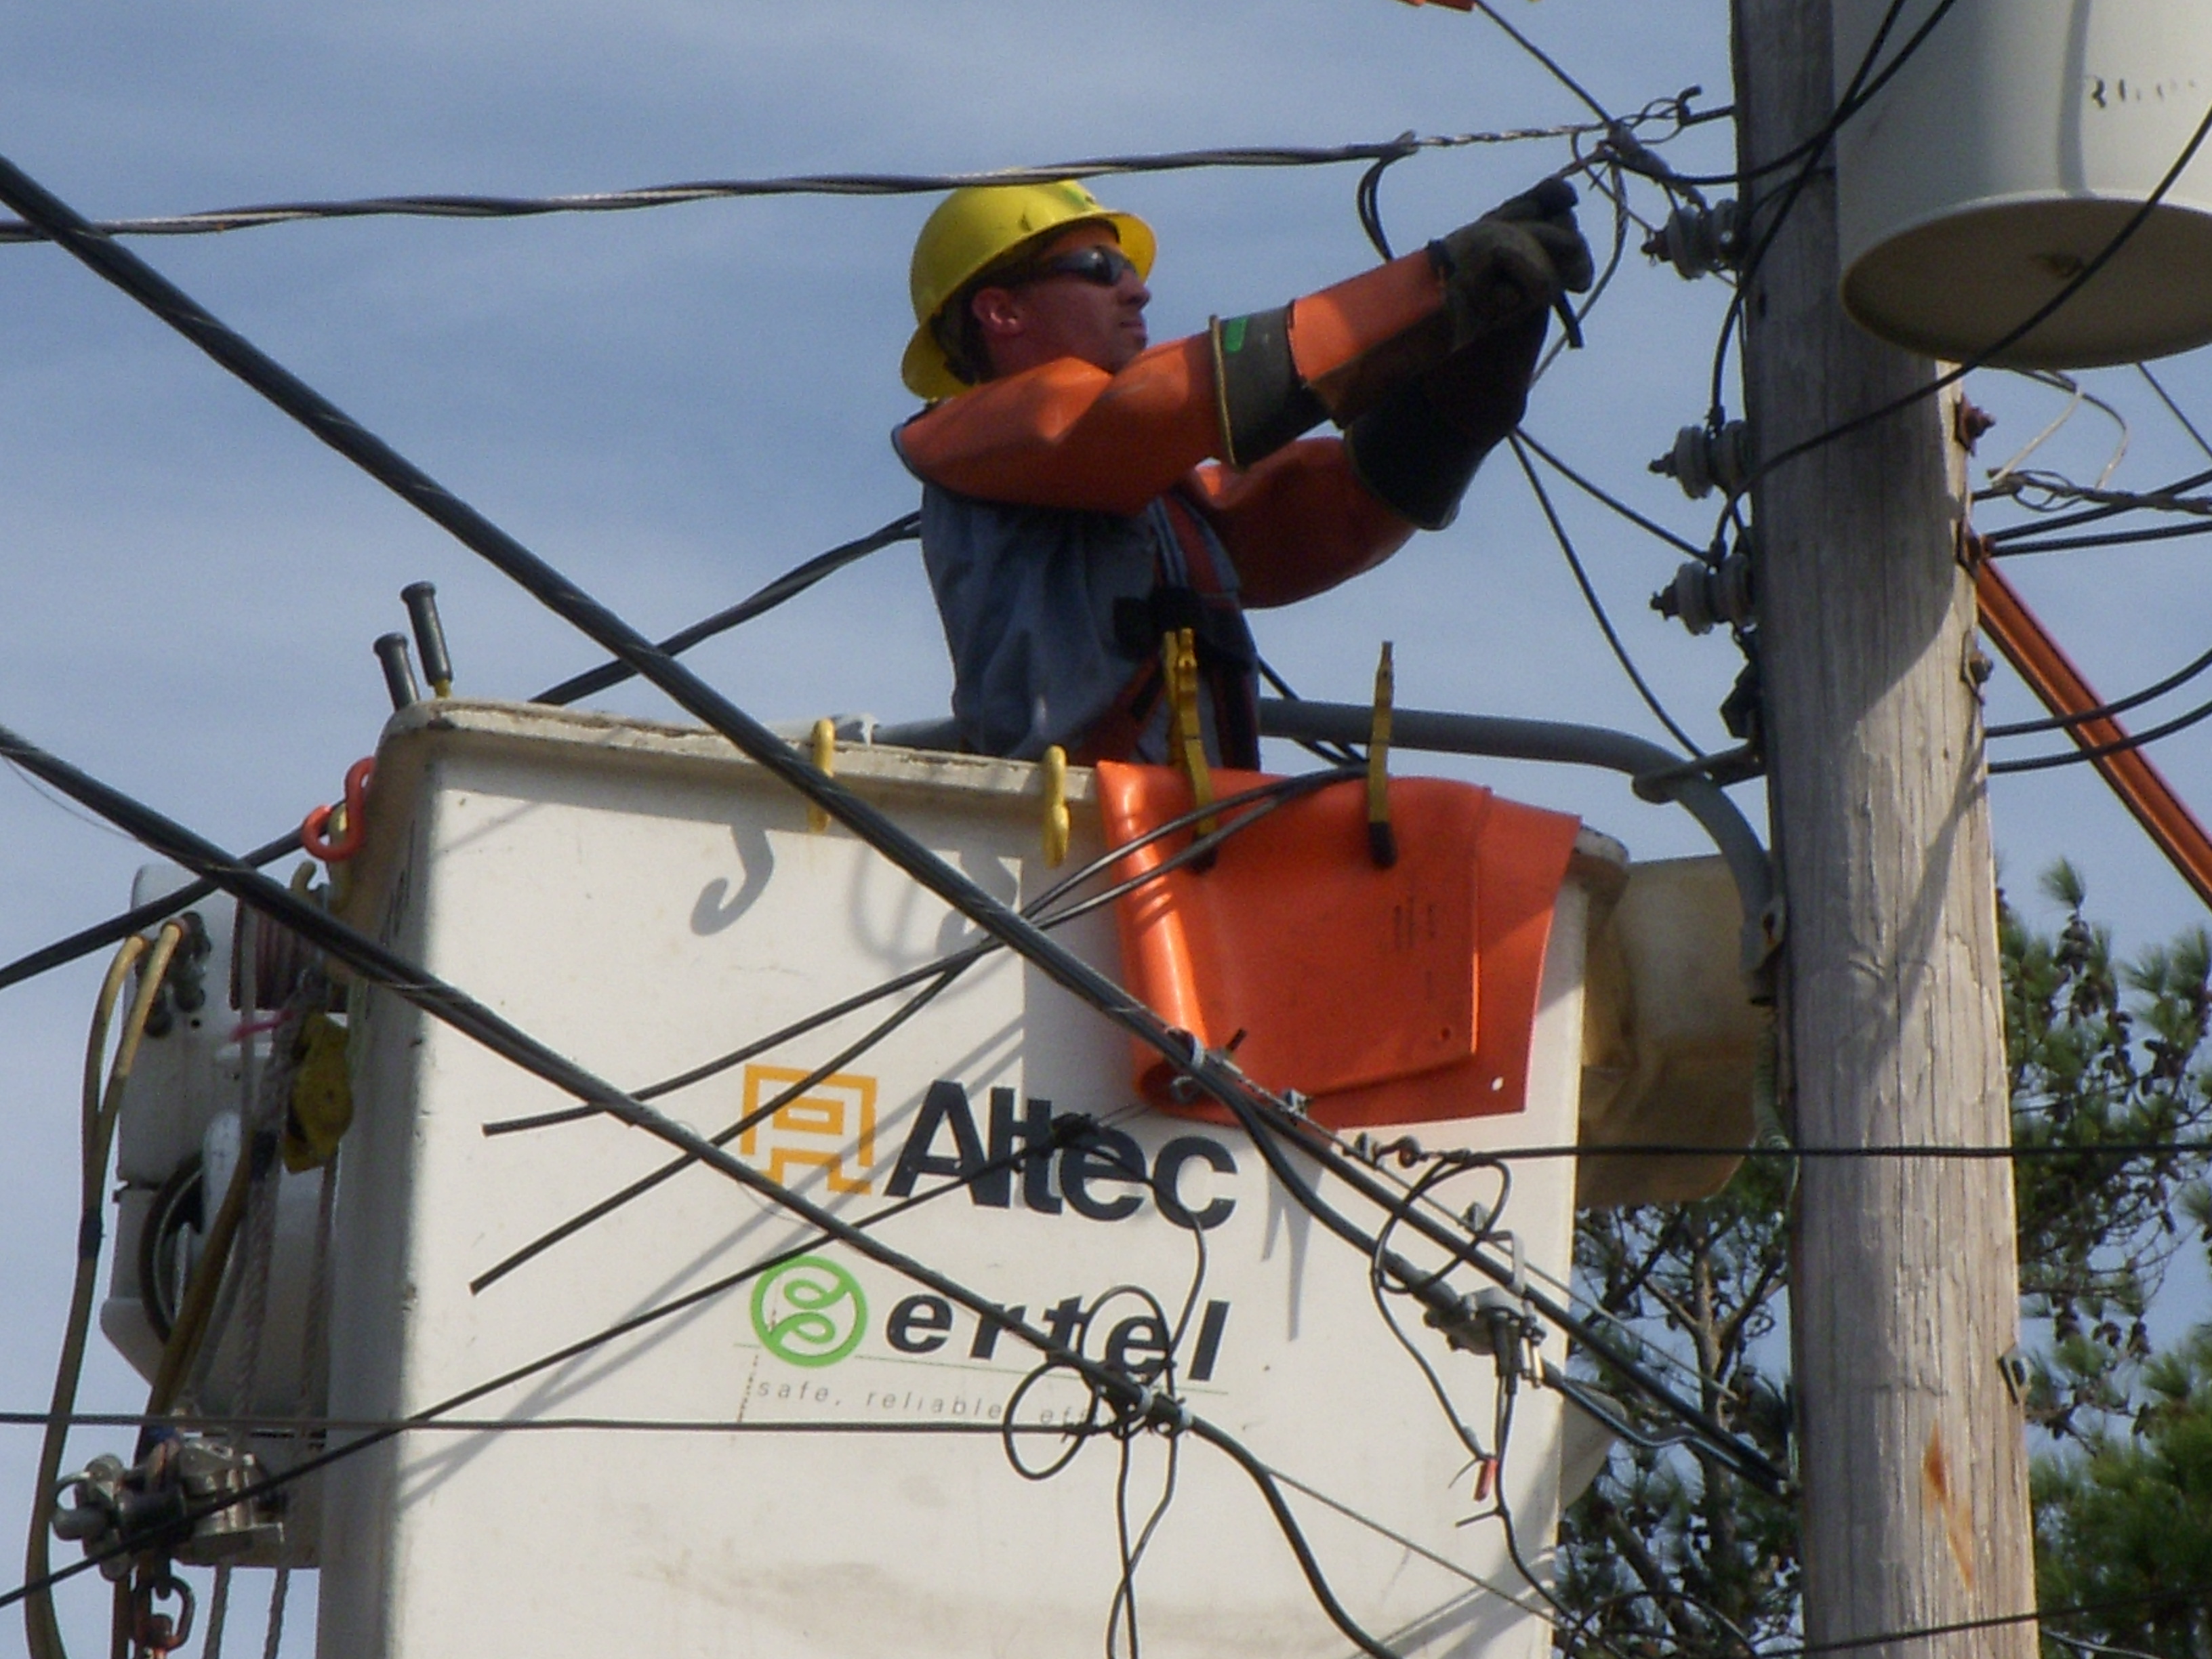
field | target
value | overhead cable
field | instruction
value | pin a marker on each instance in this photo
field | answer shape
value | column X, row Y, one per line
column 811, row 184
column 905, row 528
column 2055, row 488
column 1603, row 114
column 2133, row 700
column 266, row 1427
column 2100, row 751
column 1681, row 544
column 2185, row 1595
column 1597, row 605
column 2173, row 532
column 2076, row 396
column 2093, row 515
column 1933, row 1150
column 2173, row 408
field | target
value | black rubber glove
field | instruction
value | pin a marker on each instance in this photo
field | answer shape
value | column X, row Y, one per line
column 1417, row 449
column 1516, row 259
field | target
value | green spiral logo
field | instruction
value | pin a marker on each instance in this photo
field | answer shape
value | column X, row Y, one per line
column 809, row 1312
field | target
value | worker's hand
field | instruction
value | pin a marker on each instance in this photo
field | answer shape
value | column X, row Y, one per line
column 1514, row 261
column 1482, row 389
column 1547, row 212
column 1419, row 447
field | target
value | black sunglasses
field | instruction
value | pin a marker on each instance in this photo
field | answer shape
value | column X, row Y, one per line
column 1099, row 264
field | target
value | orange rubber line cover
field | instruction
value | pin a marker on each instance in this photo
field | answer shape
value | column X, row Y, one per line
column 1385, row 996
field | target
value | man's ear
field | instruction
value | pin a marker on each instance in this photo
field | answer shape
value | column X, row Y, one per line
column 998, row 311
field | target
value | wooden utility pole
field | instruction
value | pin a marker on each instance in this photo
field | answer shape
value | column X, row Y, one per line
column 1904, row 1301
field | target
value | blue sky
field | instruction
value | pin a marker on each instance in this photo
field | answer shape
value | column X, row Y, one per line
column 673, row 406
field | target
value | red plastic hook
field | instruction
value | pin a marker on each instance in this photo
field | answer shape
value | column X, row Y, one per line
column 311, row 827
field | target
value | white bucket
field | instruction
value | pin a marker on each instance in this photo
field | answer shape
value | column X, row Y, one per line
column 2011, row 150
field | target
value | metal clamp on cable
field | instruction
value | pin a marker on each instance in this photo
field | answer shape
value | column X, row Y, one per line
column 173, row 1500
column 1155, row 1408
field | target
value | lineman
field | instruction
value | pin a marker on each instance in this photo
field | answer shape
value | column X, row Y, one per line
column 1070, row 516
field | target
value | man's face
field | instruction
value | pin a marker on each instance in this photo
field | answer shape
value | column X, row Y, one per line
column 1065, row 315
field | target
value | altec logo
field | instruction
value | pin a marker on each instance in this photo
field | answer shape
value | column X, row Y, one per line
column 1101, row 1177
column 832, row 1126
column 811, row 1312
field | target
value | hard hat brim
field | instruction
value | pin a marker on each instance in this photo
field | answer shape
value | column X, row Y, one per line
column 924, row 367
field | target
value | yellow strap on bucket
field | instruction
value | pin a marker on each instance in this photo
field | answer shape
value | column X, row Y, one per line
column 1057, row 826
column 1186, row 738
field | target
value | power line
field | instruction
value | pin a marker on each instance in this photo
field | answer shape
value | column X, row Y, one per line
column 1933, row 1150
column 2057, row 489
column 2173, row 408
column 266, row 1427
column 1596, row 604
column 219, row 220
column 2075, row 543
column 2103, row 711
column 789, row 586
column 2187, row 1594
column 1604, row 115
column 1681, row 544
column 2094, row 515
column 2117, row 745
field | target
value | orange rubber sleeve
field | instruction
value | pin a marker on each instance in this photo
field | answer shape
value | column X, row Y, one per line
column 1298, row 523
column 1333, row 328
column 1069, row 436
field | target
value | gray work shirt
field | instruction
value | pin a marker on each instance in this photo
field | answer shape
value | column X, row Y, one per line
column 1027, row 596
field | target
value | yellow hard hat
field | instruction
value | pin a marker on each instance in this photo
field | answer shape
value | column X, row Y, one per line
column 975, row 228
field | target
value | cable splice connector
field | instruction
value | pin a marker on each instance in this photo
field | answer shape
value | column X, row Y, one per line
column 1155, row 1408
